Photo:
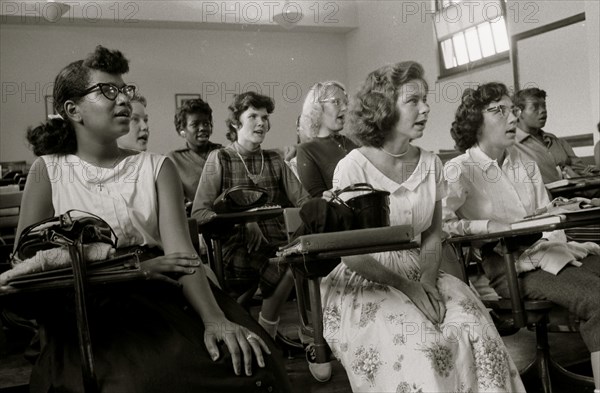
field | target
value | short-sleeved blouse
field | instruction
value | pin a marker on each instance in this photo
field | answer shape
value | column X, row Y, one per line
column 411, row 202
column 124, row 196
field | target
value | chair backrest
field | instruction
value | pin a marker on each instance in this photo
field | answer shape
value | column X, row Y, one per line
column 291, row 216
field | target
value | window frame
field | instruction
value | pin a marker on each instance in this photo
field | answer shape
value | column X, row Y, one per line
column 471, row 65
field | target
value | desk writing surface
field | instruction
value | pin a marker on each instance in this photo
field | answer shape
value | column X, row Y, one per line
column 594, row 219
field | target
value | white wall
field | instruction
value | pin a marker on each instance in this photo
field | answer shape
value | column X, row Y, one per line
column 392, row 31
column 175, row 60
column 164, row 62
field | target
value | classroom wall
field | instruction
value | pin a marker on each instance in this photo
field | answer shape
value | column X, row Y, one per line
column 215, row 63
column 218, row 63
column 392, row 31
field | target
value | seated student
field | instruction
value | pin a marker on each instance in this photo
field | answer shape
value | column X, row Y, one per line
column 322, row 118
column 555, row 157
column 394, row 320
column 137, row 137
column 490, row 186
column 146, row 338
column 194, row 123
column 246, row 252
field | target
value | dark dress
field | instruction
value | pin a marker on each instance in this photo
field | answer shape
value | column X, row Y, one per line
column 317, row 160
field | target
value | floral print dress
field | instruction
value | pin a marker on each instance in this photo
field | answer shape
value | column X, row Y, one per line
column 382, row 339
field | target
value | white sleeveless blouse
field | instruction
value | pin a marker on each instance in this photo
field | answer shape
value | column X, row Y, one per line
column 124, row 196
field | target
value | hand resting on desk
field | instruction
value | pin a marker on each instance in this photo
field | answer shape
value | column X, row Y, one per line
column 165, row 267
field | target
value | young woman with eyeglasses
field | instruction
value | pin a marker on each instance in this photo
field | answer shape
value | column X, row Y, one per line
column 146, row 336
column 491, row 185
column 322, row 119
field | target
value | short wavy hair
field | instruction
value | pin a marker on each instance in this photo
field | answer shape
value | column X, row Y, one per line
column 312, row 109
column 373, row 112
column 242, row 102
column 468, row 118
column 523, row 95
column 57, row 135
column 191, row 107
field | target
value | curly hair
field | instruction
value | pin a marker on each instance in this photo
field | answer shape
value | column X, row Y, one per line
column 522, row 95
column 312, row 109
column 241, row 103
column 57, row 135
column 373, row 111
column 469, row 117
column 191, row 107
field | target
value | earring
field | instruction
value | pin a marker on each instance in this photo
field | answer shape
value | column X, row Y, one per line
column 182, row 133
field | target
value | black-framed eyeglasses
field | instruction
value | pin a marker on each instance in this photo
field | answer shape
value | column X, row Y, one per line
column 504, row 110
column 111, row 91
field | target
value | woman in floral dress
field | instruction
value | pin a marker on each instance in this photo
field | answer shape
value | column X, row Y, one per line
column 395, row 322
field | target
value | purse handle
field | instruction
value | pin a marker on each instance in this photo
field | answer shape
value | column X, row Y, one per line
column 351, row 188
column 64, row 220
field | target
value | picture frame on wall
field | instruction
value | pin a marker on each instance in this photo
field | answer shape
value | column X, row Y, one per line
column 49, row 101
column 181, row 98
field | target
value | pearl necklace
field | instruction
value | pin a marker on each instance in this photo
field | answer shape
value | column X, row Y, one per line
column 255, row 178
column 395, row 155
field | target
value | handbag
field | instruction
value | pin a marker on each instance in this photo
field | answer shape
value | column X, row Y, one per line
column 370, row 209
column 63, row 230
column 72, row 229
column 240, row 198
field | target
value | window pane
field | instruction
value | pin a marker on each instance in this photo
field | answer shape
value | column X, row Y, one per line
column 448, row 51
column 486, row 39
column 473, row 44
column 460, row 47
column 500, row 35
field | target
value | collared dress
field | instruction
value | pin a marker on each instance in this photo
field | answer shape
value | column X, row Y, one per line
column 479, row 190
column 224, row 169
column 383, row 340
column 317, row 159
column 145, row 336
column 189, row 165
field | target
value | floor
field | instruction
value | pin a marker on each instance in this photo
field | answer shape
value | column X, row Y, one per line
column 569, row 348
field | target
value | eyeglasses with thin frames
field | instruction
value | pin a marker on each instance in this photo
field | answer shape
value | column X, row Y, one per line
column 504, row 110
column 111, row 91
column 321, row 89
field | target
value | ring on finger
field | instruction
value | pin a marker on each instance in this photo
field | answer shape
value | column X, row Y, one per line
column 250, row 336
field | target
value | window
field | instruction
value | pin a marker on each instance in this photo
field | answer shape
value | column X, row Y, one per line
column 470, row 34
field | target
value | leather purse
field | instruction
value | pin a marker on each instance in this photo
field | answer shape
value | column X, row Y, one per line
column 63, row 230
column 240, row 198
column 370, row 208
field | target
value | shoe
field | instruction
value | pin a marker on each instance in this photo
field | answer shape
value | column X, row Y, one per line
column 320, row 371
column 288, row 343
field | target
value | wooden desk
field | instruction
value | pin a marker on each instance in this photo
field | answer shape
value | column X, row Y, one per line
column 581, row 184
column 221, row 225
column 316, row 265
column 509, row 260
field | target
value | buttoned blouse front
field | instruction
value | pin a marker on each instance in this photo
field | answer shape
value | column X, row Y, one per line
column 124, row 196
column 411, row 202
column 480, row 190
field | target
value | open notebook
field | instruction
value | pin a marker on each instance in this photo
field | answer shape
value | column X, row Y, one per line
column 575, row 209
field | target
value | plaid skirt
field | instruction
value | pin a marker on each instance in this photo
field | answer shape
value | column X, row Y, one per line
column 241, row 264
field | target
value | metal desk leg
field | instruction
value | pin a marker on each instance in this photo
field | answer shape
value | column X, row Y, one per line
column 518, row 309
column 321, row 347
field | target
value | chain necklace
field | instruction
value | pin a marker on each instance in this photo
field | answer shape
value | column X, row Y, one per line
column 255, row 178
column 395, row 155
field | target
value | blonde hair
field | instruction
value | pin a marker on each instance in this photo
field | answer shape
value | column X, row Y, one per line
column 312, row 109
